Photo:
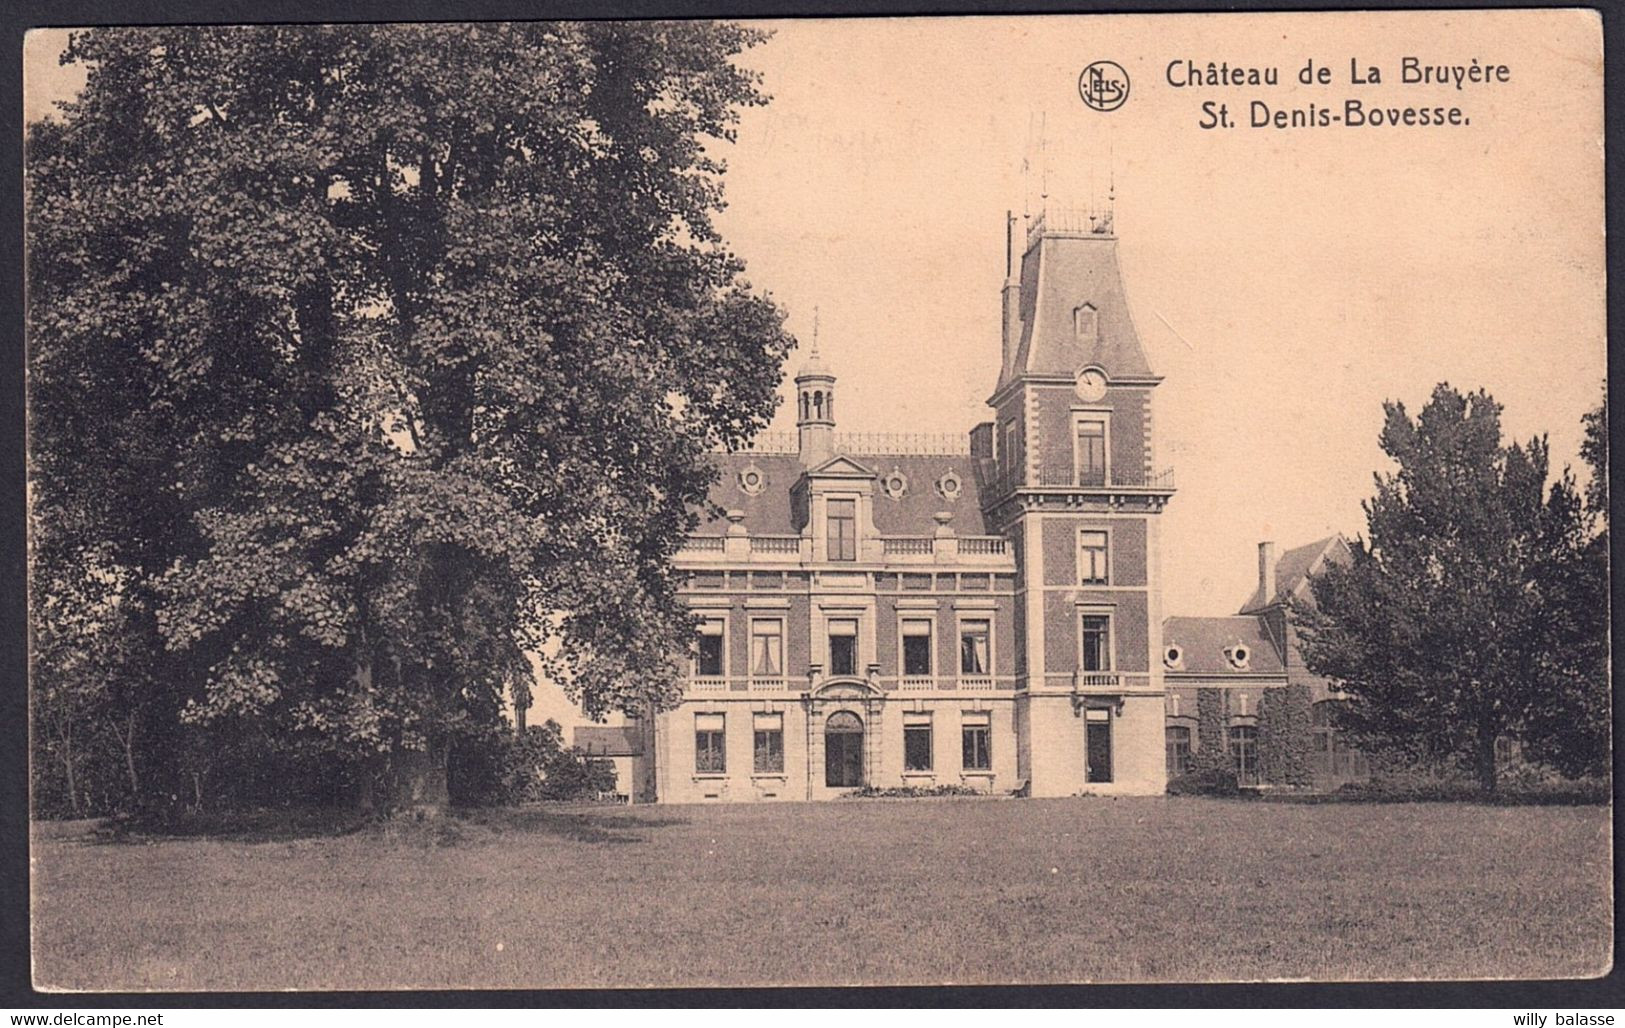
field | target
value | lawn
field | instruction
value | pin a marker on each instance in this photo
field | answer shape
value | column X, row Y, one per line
column 855, row 891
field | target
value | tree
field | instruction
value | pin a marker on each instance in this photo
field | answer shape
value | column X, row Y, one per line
column 1458, row 619
column 389, row 354
column 1569, row 724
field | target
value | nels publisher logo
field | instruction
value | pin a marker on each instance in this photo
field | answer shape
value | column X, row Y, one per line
column 1103, row 85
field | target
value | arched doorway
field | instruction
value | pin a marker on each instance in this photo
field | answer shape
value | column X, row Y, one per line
column 843, row 750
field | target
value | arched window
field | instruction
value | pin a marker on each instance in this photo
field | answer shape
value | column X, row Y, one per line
column 818, row 405
column 805, row 408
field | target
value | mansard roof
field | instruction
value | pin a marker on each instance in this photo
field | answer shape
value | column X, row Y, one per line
column 1202, row 644
column 1293, row 569
column 769, row 511
column 1061, row 271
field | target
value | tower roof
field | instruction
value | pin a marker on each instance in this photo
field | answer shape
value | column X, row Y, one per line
column 1070, row 261
column 1293, row 570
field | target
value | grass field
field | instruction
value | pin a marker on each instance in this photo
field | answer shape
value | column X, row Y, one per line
column 893, row 892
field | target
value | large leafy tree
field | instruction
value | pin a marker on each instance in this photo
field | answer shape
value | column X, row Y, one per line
column 1471, row 610
column 383, row 358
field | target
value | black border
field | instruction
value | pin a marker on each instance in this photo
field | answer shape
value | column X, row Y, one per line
column 15, row 985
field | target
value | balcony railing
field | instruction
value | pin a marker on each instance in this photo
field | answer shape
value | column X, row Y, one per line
column 918, row 682
column 708, row 683
column 981, row 545
column 906, row 545
column 781, row 550
column 1095, row 479
column 1096, row 680
column 976, row 681
column 775, row 544
column 769, row 684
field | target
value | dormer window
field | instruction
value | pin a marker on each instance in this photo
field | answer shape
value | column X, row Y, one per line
column 1085, row 321
column 1239, row 657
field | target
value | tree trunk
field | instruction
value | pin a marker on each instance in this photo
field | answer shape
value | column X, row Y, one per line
column 73, row 786
column 127, row 738
column 417, row 780
column 1484, row 757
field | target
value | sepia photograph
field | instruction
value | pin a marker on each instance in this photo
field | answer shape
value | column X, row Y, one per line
column 998, row 500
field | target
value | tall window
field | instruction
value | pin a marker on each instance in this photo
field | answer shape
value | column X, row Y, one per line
column 1097, row 745
column 917, row 742
column 709, row 744
column 843, row 646
column 975, row 638
column 916, row 648
column 1092, row 558
column 976, row 735
column 769, row 744
column 1179, row 749
column 708, row 658
column 1091, row 451
column 1097, row 642
column 1244, row 753
column 766, row 648
column 843, row 529
column 1008, row 455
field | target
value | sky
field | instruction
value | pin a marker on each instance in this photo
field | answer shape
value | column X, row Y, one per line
column 1285, row 282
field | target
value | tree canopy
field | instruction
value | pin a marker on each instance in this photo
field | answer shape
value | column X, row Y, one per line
column 372, row 361
column 1476, row 607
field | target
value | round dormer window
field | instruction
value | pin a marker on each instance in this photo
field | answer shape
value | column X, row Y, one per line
column 1173, row 657
column 895, row 485
column 751, row 480
column 1239, row 655
column 950, row 485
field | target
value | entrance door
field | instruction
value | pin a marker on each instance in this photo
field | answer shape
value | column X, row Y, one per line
column 843, row 751
column 1098, row 746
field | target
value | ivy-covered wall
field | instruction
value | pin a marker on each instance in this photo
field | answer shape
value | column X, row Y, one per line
column 1284, row 737
column 1212, row 741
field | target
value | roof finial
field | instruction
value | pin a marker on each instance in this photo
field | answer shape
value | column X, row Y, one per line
column 1043, row 162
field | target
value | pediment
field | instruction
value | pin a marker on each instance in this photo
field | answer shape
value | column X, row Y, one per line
column 845, row 689
column 840, row 467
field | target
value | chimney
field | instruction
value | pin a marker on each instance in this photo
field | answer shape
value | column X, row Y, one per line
column 1266, row 573
column 1012, row 294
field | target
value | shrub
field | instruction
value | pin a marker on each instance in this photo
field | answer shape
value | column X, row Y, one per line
column 1205, row 781
column 503, row 769
column 869, row 792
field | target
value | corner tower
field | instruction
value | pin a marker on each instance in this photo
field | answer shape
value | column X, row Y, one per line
column 1077, row 491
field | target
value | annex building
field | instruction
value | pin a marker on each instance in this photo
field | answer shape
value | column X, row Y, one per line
column 983, row 611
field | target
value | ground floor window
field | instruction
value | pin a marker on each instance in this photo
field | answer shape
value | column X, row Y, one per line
column 1244, row 753
column 1179, row 749
column 1098, row 745
column 709, row 744
column 977, row 736
column 769, row 746
column 917, row 742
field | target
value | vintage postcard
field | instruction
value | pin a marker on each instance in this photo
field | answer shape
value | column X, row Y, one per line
column 886, row 501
